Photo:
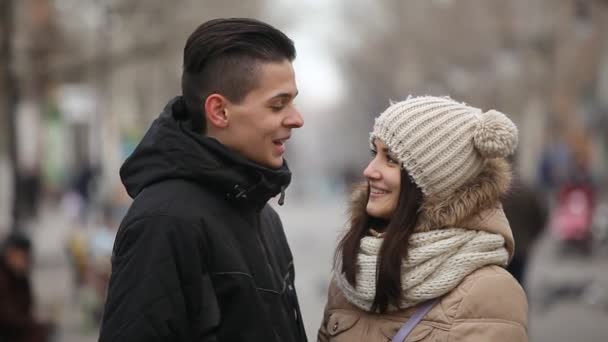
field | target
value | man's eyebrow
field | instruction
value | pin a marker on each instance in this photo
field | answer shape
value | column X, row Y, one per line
column 285, row 95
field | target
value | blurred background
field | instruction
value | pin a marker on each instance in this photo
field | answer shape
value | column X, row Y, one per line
column 82, row 80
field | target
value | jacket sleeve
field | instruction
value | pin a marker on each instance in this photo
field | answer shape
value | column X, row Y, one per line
column 494, row 309
column 160, row 289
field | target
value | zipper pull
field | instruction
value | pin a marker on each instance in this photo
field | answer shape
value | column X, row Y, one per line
column 239, row 192
column 282, row 197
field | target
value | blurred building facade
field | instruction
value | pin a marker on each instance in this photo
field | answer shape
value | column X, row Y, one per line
column 92, row 75
column 543, row 62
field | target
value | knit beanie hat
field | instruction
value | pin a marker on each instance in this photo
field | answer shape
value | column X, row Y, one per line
column 442, row 143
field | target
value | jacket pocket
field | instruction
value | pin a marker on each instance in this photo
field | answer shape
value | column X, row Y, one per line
column 420, row 332
column 340, row 322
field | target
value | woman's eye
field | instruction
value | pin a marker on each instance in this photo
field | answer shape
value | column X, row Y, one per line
column 392, row 160
column 373, row 153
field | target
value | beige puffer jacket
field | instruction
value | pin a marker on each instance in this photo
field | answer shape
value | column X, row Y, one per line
column 488, row 305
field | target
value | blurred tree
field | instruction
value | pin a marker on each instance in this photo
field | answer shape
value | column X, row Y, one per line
column 8, row 103
column 129, row 53
column 526, row 58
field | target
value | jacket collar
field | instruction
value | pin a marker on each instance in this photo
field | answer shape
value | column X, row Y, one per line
column 171, row 149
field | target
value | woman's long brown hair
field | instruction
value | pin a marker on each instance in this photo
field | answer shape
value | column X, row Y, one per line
column 397, row 232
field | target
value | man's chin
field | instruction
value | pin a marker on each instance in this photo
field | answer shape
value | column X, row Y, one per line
column 274, row 163
column 277, row 163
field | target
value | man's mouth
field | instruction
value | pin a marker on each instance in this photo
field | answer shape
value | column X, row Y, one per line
column 280, row 142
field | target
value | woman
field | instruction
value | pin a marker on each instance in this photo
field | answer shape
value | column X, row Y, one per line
column 427, row 231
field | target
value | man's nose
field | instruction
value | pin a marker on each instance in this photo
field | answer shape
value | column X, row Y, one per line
column 294, row 120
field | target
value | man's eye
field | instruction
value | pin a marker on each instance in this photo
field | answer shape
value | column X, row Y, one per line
column 278, row 106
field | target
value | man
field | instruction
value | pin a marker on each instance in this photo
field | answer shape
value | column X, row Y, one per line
column 201, row 256
column 17, row 321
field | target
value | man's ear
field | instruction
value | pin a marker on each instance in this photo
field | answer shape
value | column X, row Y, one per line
column 215, row 110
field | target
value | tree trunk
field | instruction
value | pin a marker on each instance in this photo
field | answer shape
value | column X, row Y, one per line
column 9, row 91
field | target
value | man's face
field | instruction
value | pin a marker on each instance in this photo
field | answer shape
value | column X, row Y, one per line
column 18, row 260
column 261, row 124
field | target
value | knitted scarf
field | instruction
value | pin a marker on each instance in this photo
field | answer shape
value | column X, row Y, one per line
column 437, row 262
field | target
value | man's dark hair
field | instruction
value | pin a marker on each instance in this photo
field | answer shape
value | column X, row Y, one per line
column 221, row 56
column 16, row 240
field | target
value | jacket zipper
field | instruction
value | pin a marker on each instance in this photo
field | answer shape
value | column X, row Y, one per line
column 291, row 298
column 258, row 234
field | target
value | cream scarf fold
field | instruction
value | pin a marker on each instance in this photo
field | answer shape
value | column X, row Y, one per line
column 437, row 262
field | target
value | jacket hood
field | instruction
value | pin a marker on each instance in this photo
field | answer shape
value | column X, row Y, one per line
column 475, row 205
column 171, row 149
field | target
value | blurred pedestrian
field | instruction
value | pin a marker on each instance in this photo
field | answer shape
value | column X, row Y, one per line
column 84, row 185
column 17, row 320
column 527, row 215
column 427, row 240
column 100, row 242
column 200, row 255
column 30, row 192
column 571, row 218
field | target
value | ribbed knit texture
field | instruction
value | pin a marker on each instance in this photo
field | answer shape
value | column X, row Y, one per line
column 442, row 143
column 437, row 262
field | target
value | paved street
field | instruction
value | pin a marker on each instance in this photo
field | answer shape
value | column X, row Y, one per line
column 313, row 232
column 312, row 229
column 568, row 295
column 53, row 279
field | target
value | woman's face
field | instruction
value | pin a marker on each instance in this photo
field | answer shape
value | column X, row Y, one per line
column 384, row 178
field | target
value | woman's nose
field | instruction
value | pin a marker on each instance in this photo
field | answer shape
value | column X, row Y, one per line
column 371, row 172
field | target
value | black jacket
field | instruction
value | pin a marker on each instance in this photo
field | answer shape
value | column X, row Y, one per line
column 200, row 256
